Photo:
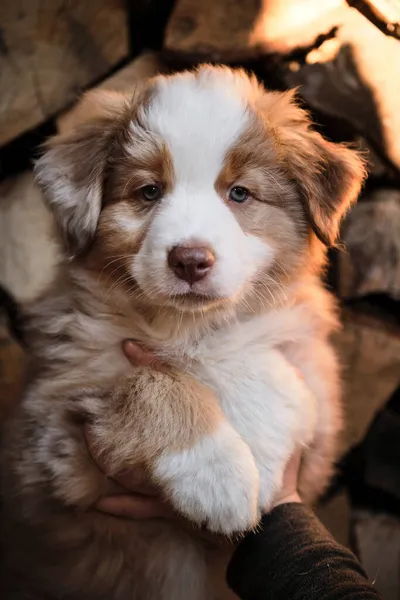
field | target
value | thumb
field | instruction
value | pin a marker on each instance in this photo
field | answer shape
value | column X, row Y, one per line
column 138, row 355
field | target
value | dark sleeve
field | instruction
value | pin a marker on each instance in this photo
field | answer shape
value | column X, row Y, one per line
column 293, row 557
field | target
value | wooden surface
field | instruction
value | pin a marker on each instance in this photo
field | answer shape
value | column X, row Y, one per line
column 369, row 352
column 28, row 250
column 232, row 30
column 50, row 50
column 370, row 263
column 335, row 514
column 144, row 66
column 377, row 536
column 359, row 82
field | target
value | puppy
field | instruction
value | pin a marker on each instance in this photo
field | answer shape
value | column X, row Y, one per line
column 195, row 217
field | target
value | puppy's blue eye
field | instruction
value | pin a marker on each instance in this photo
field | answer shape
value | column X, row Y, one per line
column 151, row 193
column 238, row 194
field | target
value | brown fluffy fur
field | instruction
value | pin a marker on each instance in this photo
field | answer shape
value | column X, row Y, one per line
column 54, row 543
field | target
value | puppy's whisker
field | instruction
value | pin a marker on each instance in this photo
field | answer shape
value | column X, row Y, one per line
column 118, row 284
column 106, row 266
column 113, row 260
column 109, row 276
column 248, row 306
column 281, row 268
column 266, row 289
column 280, row 288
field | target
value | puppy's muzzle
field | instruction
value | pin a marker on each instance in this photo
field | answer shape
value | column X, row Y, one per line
column 191, row 264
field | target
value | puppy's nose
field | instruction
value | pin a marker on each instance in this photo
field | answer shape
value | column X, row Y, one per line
column 191, row 264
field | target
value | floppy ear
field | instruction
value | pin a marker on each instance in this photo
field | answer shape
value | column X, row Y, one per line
column 73, row 168
column 329, row 176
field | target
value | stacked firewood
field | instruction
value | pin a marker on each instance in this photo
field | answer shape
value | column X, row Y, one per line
column 344, row 58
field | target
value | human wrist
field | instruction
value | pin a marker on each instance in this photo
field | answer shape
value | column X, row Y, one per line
column 288, row 499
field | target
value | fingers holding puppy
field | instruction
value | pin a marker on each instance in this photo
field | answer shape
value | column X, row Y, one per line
column 138, row 355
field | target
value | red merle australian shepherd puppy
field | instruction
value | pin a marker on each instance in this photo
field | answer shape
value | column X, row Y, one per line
column 195, row 217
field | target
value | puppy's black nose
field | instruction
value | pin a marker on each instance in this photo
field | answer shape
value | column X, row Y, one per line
column 191, row 264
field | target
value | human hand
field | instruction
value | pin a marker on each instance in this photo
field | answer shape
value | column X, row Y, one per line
column 288, row 492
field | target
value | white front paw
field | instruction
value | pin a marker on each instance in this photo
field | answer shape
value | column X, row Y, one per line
column 276, row 452
column 214, row 483
column 271, row 475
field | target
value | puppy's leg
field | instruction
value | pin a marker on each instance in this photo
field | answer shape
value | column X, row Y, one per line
column 45, row 454
column 290, row 411
column 169, row 423
column 321, row 374
column 271, row 407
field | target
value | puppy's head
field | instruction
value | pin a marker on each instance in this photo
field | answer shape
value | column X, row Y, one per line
column 198, row 189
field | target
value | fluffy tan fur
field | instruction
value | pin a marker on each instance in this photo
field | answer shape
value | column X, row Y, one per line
column 55, row 545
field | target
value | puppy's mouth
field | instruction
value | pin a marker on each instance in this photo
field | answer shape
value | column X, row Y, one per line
column 193, row 300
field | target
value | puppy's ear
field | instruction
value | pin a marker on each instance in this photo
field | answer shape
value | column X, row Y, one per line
column 329, row 176
column 73, row 168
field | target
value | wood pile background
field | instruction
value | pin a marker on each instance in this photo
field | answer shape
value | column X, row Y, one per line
column 344, row 56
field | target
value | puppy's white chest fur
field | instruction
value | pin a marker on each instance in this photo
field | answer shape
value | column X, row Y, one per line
column 210, row 166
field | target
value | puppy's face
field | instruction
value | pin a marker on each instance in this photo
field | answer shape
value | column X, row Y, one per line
column 199, row 191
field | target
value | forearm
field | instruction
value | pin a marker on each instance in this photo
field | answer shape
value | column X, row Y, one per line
column 293, row 556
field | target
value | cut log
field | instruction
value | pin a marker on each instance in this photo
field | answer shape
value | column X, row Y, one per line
column 235, row 30
column 377, row 538
column 28, row 250
column 335, row 514
column 370, row 263
column 369, row 352
column 147, row 65
column 50, row 52
column 356, row 77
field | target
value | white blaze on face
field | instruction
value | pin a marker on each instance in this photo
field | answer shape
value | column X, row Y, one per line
column 199, row 120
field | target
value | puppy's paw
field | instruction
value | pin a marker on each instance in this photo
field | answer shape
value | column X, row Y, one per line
column 214, row 483
column 270, row 482
column 294, row 427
